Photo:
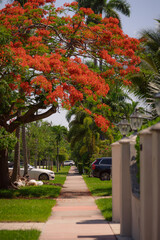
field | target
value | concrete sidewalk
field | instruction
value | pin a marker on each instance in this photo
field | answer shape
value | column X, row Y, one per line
column 76, row 215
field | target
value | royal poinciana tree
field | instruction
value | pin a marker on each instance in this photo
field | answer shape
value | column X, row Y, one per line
column 41, row 68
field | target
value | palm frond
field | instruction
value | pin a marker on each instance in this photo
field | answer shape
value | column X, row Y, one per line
column 120, row 5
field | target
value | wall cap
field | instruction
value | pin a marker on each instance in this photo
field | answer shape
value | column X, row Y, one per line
column 124, row 140
column 156, row 127
column 133, row 137
column 115, row 144
column 129, row 139
column 145, row 131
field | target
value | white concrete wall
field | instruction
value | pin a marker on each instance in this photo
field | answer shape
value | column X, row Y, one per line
column 116, row 182
column 125, row 189
column 135, row 202
column 139, row 218
column 156, row 181
column 146, row 184
column 125, row 207
column 136, row 218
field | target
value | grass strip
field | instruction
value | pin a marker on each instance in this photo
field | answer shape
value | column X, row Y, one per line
column 98, row 187
column 105, row 205
column 25, row 210
column 19, row 234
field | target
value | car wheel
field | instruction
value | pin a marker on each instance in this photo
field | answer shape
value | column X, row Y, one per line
column 104, row 176
column 43, row 176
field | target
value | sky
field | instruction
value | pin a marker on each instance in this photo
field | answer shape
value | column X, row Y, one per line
column 143, row 15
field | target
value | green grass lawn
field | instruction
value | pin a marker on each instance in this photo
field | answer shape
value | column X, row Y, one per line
column 25, row 210
column 19, row 234
column 32, row 203
column 101, row 188
column 98, row 187
column 105, row 205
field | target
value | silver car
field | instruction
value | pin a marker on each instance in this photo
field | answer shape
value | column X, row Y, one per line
column 69, row 163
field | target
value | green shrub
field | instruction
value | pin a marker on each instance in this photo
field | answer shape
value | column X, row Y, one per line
column 80, row 167
column 87, row 170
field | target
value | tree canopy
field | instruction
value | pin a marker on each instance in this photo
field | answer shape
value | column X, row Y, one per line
column 41, row 60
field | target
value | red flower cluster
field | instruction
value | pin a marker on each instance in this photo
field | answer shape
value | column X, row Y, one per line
column 101, row 106
column 86, row 11
column 101, row 122
column 43, row 83
column 71, row 4
column 26, row 88
column 87, row 111
column 43, row 55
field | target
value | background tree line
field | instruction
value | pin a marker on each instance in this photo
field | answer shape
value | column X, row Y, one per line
column 42, row 141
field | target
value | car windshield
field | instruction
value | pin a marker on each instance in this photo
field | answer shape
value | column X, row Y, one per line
column 11, row 164
column 29, row 166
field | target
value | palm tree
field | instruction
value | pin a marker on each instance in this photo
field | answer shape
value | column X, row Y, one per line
column 60, row 132
column 108, row 7
column 84, row 137
column 119, row 101
column 147, row 81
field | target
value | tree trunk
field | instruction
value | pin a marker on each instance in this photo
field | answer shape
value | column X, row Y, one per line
column 57, row 156
column 57, row 163
column 28, row 149
column 36, row 152
column 46, row 163
column 59, row 166
column 25, row 157
column 95, row 62
column 100, row 65
column 29, row 155
column 39, row 163
column 16, row 168
column 4, row 174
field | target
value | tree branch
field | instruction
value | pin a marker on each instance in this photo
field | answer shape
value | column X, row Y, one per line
column 28, row 117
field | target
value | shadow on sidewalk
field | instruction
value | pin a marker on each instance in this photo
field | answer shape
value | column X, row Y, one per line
column 95, row 221
column 98, row 237
column 73, row 171
column 72, row 194
column 73, row 174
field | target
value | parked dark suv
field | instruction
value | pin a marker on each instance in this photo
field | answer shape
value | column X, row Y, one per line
column 102, row 168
